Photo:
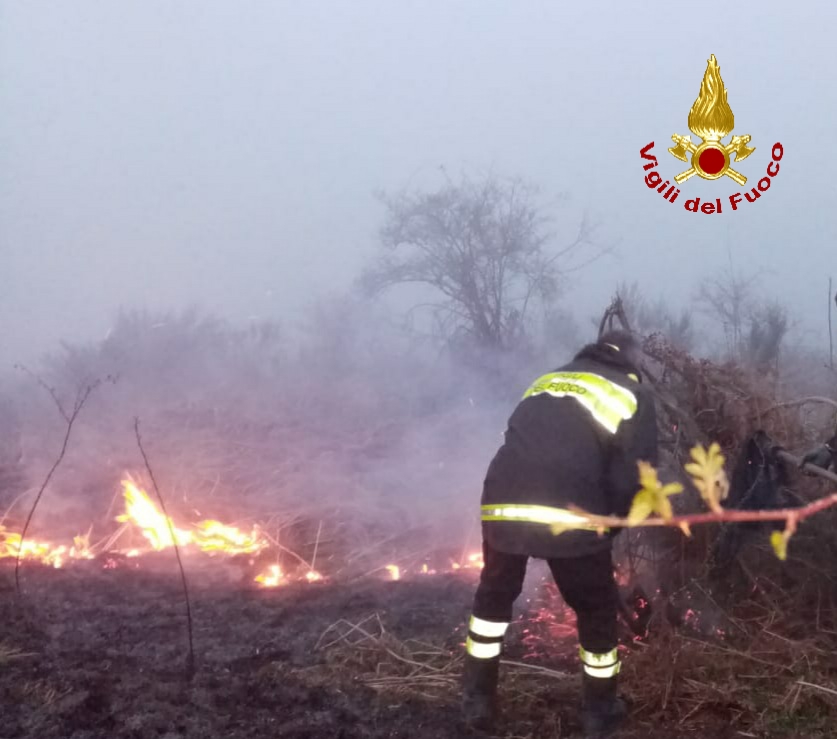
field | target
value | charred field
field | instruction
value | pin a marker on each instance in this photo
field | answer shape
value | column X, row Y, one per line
column 90, row 652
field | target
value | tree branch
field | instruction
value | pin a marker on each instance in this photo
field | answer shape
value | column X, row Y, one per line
column 803, row 401
column 70, row 419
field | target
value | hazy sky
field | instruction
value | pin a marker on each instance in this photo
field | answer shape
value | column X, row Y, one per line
column 159, row 154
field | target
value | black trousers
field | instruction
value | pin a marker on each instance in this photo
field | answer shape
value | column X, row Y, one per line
column 586, row 583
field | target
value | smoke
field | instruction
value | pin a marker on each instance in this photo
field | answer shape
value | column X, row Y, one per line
column 345, row 420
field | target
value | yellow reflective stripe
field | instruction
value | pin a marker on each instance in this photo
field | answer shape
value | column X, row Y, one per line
column 589, row 380
column 490, row 629
column 535, row 514
column 606, row 401
column 603, row 672
column 483, row 651
column 598, row 659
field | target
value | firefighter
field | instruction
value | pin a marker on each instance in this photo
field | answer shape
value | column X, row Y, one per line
column 574, row 439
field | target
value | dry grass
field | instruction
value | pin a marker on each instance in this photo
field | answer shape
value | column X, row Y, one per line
column 383, row 662
column 770, row 671
column 9, row 653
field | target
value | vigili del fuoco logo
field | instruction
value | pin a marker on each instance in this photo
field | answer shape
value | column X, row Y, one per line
column 711, row 120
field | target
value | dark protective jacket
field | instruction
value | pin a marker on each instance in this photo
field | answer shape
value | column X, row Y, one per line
column 574, row 439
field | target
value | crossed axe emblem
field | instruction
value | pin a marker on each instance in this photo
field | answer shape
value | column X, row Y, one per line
column 737, row 146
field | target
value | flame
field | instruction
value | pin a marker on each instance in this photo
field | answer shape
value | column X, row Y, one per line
column 42, row 551
column 140, row 510
column 272, row 577
column 711, row 117
column 475, row 560
column 213, row 536
column 208, row 536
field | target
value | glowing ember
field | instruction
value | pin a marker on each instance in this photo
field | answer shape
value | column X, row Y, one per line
column 394, row 571
column 271, row 578
column 313, row 576
column 475, row 560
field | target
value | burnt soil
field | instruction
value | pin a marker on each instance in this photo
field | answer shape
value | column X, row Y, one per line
column 102, row 654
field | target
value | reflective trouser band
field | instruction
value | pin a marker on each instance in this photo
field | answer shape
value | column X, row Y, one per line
column 600, row 664
column 489, row 629
column 607, row 402
column 483, row 651
column 535, row 514
column 611, row 671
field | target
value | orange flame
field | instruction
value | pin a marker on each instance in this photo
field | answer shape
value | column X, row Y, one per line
column 711, row 117
column 208, row 536
column 141, row 511
column 42, row 551
column 272, row 577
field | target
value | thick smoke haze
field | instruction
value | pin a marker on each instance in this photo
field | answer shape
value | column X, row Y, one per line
column 160, row 155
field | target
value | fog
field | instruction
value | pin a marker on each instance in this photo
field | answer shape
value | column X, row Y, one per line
column 159, row 157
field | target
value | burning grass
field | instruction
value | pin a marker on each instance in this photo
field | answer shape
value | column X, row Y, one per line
column 143, row 519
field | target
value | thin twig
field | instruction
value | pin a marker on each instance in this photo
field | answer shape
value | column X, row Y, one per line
column 50, row 390
column 71, row 419
column 537, row 668
column 789, row 515
column 818, row 687
column 190, row 665
column 316, row 545
column 803, row 401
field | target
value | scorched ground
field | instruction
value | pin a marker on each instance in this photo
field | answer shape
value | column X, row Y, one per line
column 94, row 653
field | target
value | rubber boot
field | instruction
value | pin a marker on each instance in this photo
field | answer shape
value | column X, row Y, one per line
column 601, row 711
column 479, row 692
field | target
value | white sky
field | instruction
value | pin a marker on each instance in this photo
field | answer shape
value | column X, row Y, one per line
column 161, row 154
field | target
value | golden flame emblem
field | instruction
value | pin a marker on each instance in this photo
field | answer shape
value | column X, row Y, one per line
column 711, row 119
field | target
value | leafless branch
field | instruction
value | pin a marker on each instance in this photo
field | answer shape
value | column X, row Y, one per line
column 50, row 390
column 70, row 418
column 803, row 401
column 190, row 664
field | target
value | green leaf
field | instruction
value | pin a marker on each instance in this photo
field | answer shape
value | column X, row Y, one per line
column 707, row 473
column 642, row 507
column 664, row 508
column 652, row 494
column 779, row 540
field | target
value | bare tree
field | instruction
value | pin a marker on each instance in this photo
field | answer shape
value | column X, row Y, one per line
column 768, row 328
column 727, row 297
column 485, row 248
column 754, row 327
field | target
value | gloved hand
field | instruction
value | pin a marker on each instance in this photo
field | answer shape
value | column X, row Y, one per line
column 822, row 456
